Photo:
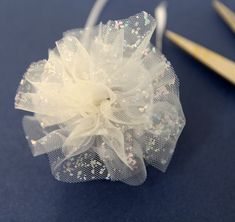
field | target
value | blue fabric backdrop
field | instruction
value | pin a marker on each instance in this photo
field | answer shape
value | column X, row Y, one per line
column 199, row 184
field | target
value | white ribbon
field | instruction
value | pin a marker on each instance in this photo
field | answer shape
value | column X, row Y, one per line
column 161, row 18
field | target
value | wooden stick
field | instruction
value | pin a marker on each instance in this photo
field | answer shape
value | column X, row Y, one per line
column 221, row 65
column 225, row 13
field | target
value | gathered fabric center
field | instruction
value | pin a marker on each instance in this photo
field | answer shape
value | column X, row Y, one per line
column 91, row 97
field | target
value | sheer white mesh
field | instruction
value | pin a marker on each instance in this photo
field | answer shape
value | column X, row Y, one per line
column 105, row 105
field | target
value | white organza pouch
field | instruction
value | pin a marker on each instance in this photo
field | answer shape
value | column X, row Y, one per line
column 105, row 103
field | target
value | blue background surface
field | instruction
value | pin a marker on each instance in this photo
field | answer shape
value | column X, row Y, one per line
column 199, row 184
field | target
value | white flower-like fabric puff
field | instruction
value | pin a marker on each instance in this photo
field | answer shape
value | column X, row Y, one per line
column 105, row 103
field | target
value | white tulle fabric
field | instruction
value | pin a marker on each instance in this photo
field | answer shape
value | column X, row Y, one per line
column 105, row 103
